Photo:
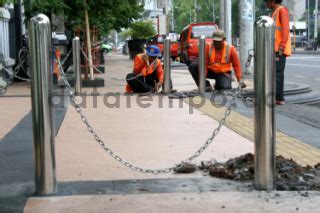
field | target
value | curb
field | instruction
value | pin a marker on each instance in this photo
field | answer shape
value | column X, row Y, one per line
column 306, row 52
column 286, row 146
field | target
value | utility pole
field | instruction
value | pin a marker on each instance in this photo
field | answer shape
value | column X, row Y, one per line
column 168, row 19
column 246, row 32
column 227, row 20
column 309, row 21
column 213, row 12
column 116, row 39
column 221, row 20
column 172, row 17
column 195, row 10
column 316, row 26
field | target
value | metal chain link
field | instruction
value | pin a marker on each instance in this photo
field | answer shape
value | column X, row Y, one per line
column 93, row 66
column 14, row 74
column 247, row 65
column 248, row 62
column 67, row 56
column 20, row 67
column 214, row 134
column 3, row 90
column 117, row 157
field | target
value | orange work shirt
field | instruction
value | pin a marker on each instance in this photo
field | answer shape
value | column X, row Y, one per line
column 233, row 58
column 284, row 19
column 141, row 66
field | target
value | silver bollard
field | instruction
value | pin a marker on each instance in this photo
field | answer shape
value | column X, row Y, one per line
column 202, row 65
column 264, row 84
column 42, row 113
column 76, row 65
column 167, row 66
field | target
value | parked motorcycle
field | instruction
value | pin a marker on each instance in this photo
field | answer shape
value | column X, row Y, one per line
column 105, row 48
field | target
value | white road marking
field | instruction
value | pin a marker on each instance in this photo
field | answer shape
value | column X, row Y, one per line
column 298, row 76
column 303, row 65
column 303, row 58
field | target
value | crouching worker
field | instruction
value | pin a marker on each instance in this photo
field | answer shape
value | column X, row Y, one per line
column 147, row 75
column 221, row 57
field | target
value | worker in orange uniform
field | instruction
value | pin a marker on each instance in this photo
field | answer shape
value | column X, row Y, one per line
column 280, row 15
column 221, row 58
column 57, row 60
column 147, row 75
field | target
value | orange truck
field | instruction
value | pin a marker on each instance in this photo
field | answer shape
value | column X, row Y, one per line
column 188, row 48
column 174, row 45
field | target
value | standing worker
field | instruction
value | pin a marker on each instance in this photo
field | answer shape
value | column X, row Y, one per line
column 221, row 57
column 282, row 43
column 147, row 75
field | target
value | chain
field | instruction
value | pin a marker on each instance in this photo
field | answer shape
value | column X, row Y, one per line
column 14, row 74
column 247, row 65
column 20, row 66
column 215, row 131
column 248, row 62
column 91, row 130
column 117, row 157
column 65, row 59
column 93, row 66
column 3, row 90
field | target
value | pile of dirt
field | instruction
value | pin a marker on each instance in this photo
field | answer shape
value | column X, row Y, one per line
column 289, row 175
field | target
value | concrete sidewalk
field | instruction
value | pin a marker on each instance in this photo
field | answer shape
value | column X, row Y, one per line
column 151, row 132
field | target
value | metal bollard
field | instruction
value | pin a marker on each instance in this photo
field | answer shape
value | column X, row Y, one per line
column 167, row 66
column 202, row 65
column 264, row 84
column 42, row 114
column 76, row 65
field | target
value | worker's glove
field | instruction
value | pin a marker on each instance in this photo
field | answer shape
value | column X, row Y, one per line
column 243, row 85
column 281, row 50
column 279, row 53
column 158, row 86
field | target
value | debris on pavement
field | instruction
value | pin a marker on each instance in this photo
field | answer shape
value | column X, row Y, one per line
column 289, row 175
column 241, row 168
column 185, row 168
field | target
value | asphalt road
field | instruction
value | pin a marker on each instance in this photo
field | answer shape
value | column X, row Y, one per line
column 304, row 69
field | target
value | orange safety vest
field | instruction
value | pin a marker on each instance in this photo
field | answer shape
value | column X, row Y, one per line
column 223, row 66
column 149, row 69
column 56, row 66
column 278, row 31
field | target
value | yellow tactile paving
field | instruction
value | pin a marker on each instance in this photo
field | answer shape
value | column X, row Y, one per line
column 286, row 146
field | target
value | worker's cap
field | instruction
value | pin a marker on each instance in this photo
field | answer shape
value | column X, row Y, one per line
column 153, row 51
column 218, row 35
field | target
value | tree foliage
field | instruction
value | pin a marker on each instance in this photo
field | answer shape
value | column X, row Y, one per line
column 105, row 14
column 141, row 30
